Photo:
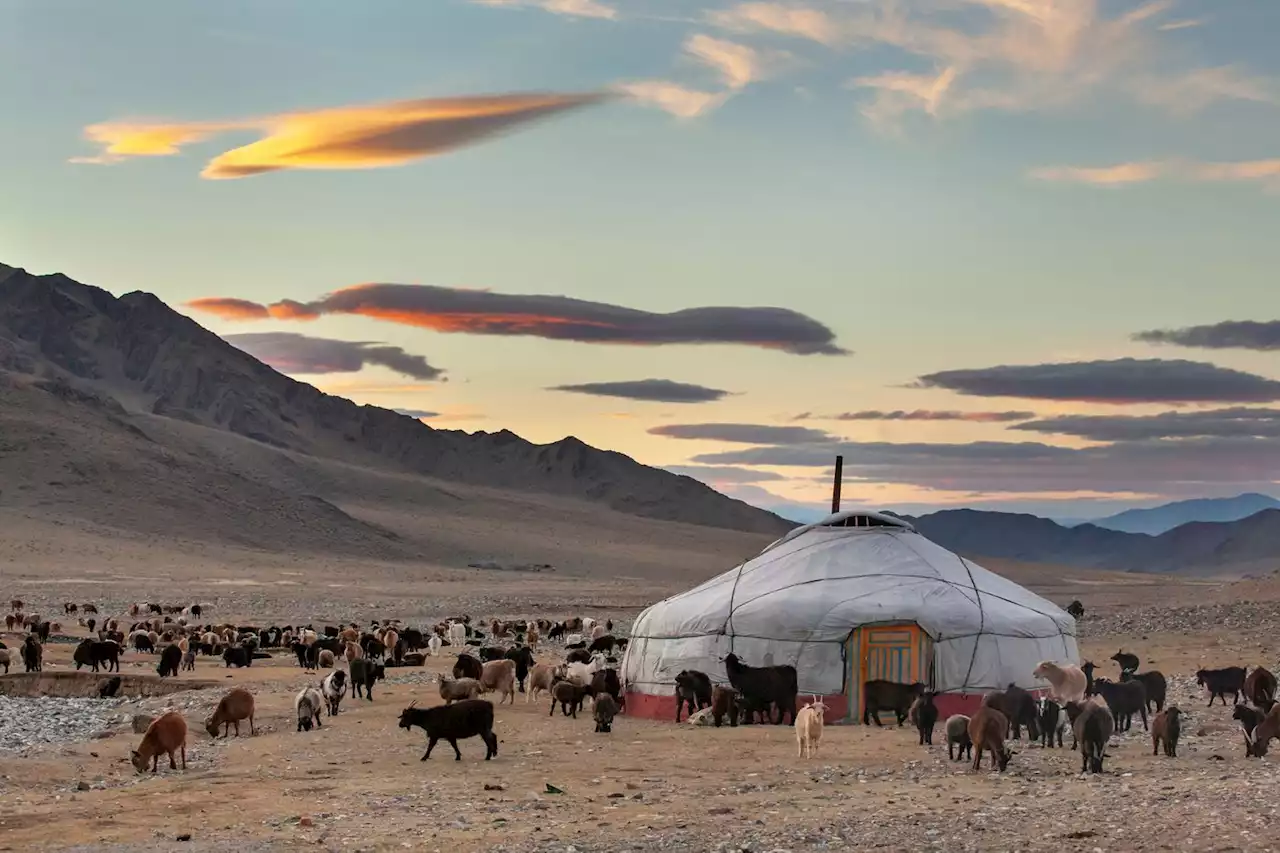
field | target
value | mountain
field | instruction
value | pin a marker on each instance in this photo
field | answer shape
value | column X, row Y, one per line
column 122, row 412
column 1247, row 545
column 1159, row 519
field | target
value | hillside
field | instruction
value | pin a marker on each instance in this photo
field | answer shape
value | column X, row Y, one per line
column 1160, row 519
column 141, row 359
column 130, row 434
column 1245, row 546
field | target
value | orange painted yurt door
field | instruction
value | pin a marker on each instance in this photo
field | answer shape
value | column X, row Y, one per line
column 899, row 652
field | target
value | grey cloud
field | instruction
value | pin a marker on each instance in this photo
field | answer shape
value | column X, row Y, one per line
column 725, row 474
column 418, row 413
column 1222, row 423
column 482, row 312
column 1125, row 380
column 293, row 353
column 654, row 390
column 1184, row 467
column 742, row 433
column 1232, row 334
column 928, row 415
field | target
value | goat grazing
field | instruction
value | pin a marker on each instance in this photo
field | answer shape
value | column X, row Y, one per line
column 166, row 734
column 1166, row 727
column 1220, row 682
column 958, row 736
column 987, row 730
column 468, row 718
column 808, row 722
column 237, row 705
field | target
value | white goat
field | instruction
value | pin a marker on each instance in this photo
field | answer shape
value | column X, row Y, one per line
column 434, row 644
column 809, row 727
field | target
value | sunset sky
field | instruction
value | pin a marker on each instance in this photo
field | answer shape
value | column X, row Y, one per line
column 1014, row 254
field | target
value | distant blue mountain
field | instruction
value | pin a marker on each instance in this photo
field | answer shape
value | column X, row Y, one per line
column 1161, row 519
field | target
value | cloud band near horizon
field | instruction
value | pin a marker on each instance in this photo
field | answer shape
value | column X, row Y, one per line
column 647, row 390
column 479, row 312
column 293, row 353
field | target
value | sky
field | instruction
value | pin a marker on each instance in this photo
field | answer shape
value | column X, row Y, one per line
column 1010, row 254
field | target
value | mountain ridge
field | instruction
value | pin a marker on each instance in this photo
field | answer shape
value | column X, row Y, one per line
column 1160, row 519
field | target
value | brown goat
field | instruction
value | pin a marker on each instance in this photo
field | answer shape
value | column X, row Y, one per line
column 987, row 730
column 1167, row 726
column 500, row 676
column 724, row 702
column 237, row 705
column 166, row 734
column 1261, row 737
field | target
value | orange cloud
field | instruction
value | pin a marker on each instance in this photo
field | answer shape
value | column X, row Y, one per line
column 230, row 309
column 1264, row 171
column 354, row 137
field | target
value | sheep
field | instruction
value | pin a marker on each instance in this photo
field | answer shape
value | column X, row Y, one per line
column 1260, row 687
column 500, row 676
column 924, row 716
column 306, row 706
column 540, row 681
column 958, row 736
column 808, row 723
column 764, row 686
column 434, row 644
column 166, row 734
column 468, row 718
column 334, row 687
column 1153, row 681
column 881, row 695
column 325, row 660
column 1166, row 727
column 1249, row 719
column 568, row 694
column 456, row 689
column 606, row 709
column 467, row 666
column 1260, row 738
column 363, row 674
column 1126, row 660
column 987, row 729
column 1053, row 722
column 1092, row 724
column 457, row 634
column 237, row 705
column 1067, row 682
column 1124, row 699
column 724, row 703
column 170, row 660
column 1220, row 682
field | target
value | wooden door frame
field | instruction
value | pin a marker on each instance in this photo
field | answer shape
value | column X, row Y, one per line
column 854, row 677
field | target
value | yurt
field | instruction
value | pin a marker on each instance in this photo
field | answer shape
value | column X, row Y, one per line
column 855, row 597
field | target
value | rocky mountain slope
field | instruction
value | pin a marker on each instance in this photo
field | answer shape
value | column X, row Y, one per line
column 1249, row 545
column 82, row 368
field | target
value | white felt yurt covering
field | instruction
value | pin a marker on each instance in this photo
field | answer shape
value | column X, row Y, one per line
column 800, row 599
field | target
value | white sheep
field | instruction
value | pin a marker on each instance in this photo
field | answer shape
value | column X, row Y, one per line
column 809, row 727
column 434, row 644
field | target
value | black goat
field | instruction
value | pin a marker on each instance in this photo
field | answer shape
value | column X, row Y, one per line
column 1092, row 725
column 1050, row 723
column 1124, row 699
column 1250, row 719
column 523, row 657
column 1220, row 682
column 32, row 654
column 1260, row 688
column 467, row 666
column 97, row 654
column 1154, row 682
column 693, row 688
column 604, row 644
column 459, row 721
column 1020, row 708
column 364, row 673
column 888, row 696
column 578, row 656
column 488, row 653
column 170, row 660
column 1126, row 660
column 760, row 686
column 109, row 688
column 568, row 694
column 237, row 656
column 924, row 716
column 1076, row 609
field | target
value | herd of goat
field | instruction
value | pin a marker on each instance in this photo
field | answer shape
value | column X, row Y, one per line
column 1091, row 708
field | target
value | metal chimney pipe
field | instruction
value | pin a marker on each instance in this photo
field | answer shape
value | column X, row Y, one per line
column 835, row 487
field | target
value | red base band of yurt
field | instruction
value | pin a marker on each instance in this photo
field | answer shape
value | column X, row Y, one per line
column 855, row 599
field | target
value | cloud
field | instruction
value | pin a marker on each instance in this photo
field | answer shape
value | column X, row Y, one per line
column 294, row 353
column 352, row 137
column 737, row 64
column 571, row 8
column 1263, row 336
column 1263, row 171
column 1125, row 380
column 1216, row 423
column 654, row 390
column 724, row 474
column 419, row 414
column 1187, row 467
column 930, row 415
column 797, row 21
column 899, row 92
column 678, row 100
column 1184, row 24
column 479, row 312
column 742, row 433
column 1191, row 91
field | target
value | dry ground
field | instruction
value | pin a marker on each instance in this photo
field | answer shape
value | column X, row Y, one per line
column 358, row 784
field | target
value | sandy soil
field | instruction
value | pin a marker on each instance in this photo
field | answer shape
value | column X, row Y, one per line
column 358, row 783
